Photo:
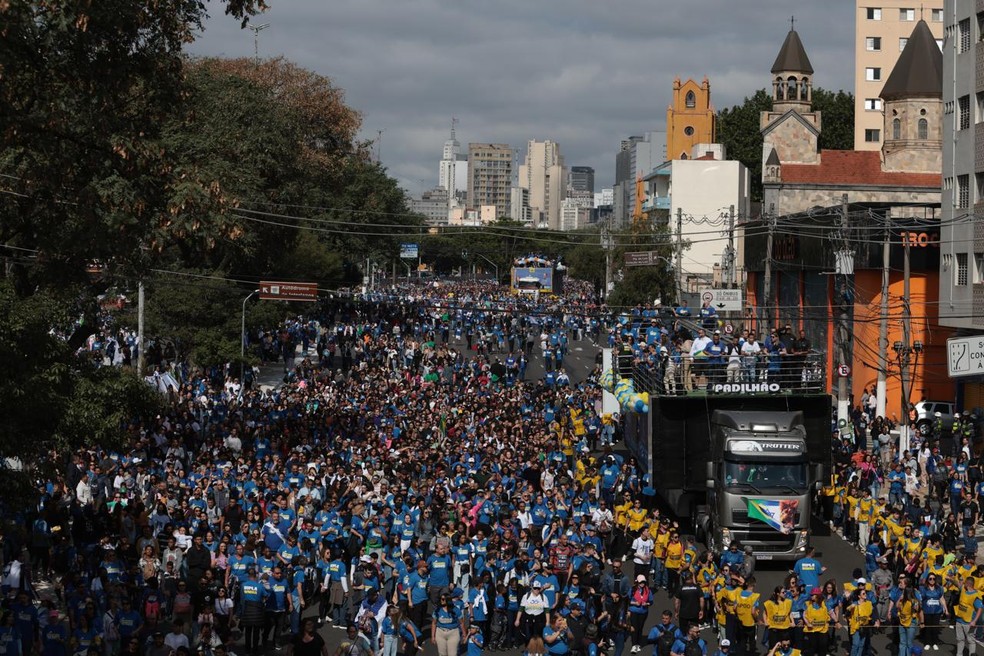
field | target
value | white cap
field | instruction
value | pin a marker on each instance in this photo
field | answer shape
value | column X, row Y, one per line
column 725, row 643
column 862, row 581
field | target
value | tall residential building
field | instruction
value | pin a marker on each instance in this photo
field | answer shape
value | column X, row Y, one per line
column 490, row 172
column 582, row 178
column 637, row 156
column 962, row 240
column 880, row 35
column 690, row 119
column 519, row 206
column 544, row 175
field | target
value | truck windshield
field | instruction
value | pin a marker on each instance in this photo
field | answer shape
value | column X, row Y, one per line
column 765, row 474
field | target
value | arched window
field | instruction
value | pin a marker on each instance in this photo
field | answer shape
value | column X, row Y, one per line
column 805, row 89
column 923, row 128
column 791, row 88
column 691, row 100
column 896, row 129
column 780, row 89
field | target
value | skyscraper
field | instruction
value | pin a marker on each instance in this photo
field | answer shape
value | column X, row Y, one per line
column 490, row 168
column 582, row 178
column 544, row 175
column 636, row 158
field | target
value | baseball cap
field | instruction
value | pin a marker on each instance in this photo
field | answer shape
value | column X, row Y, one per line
column 816, row 591
column 640, row 579
column 862, row 581
column 725, row 643
column 537, row 585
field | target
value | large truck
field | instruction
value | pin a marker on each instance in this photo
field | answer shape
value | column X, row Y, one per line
column 742, row 467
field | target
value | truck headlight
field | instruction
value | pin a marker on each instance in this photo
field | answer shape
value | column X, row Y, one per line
column 725, row 537
column 802, row 539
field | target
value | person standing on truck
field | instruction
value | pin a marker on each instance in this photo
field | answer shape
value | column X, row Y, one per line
column 801, row 348
column 747, row 610
column 698, row 357
column 715, row 354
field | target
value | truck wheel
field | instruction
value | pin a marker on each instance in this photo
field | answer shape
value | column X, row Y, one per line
column 695, row 522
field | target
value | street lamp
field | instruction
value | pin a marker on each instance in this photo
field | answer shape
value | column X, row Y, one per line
column 465, row 254
column 242, row 342
column 907, row 355
column 256, row 40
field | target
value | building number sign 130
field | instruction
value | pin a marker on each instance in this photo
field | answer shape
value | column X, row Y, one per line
column 921, row 239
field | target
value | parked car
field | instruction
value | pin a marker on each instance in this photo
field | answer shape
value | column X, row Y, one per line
column 926, row 415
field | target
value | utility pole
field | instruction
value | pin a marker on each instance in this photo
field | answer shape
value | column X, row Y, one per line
column 732, row 278
column 767, row 283
column 607, row 244
column 906, row 344
column 845, row 268
column 140, row 329
column 679, row 254
column 881, row 388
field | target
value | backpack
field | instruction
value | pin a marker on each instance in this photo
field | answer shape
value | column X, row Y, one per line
column 693, row 648
column 308, row 588
column 664, row 644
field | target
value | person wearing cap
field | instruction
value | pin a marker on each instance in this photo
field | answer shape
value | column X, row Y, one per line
column 784, row 648
column 534, row 612
column 724, row 648
column 817, row 620
column 640, row 599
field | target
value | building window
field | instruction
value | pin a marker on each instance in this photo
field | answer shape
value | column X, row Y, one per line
column 923, row 129
column 896, row 129
column 689, row 131
column 873, row 104
column 907, row 15
column 960, row 274
column 937, row 16
column 691, row 100
column 979, row 179
column 872, row 43
column 872, row 73
column 872, row 135
column 963, row 27
column 791, row 92
column 963, row 104
column 978, row 268
column 963, row 192
column 874, row 13
column 902, row 41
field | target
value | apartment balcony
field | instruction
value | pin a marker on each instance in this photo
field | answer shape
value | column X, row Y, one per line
column 657, row 203
column 979, row 57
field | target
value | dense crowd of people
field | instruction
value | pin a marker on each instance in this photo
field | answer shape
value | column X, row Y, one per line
column 409, row 483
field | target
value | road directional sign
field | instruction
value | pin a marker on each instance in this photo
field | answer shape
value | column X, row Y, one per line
column 641, row 258
column 288, row 291
column 965, row 356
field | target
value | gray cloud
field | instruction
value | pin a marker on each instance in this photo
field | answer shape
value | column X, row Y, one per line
column 585, row 73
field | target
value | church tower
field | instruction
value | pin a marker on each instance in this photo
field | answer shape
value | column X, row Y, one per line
column 791, row 131
column 690, row 119
column 913, row 96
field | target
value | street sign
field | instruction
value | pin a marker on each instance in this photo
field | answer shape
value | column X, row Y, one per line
column 641, row 258
column 722, row 300
column 728, row 329
column 409, row 251
column 965, row 356
column 288, row 291
column 843, row 371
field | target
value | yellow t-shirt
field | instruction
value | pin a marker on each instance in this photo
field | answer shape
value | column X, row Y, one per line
column 965, row 606
column 860, row 615
column 746, row 607
column 777, row 614
column 816, row 618
column 725, row 605
column 674, row 555
column 637, row 517
column 907, row 611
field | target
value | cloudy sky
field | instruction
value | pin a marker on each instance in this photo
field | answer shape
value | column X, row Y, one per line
column 584, row 73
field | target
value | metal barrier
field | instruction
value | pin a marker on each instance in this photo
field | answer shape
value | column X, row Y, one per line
column 770, row 374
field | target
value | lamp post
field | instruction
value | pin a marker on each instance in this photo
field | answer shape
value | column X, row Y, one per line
column 242, row 341
column 465, row 254
column 907, row 355
column 256, row 29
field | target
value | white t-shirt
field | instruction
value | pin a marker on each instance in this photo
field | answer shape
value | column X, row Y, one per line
column 643, row 550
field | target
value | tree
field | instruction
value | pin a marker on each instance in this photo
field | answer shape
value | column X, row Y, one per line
column 738, row 128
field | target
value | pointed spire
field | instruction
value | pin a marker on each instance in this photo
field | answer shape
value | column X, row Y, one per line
column 773, row 159
column 792, row 56
column 918, row 73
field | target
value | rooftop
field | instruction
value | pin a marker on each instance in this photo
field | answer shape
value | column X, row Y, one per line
column 855, row 167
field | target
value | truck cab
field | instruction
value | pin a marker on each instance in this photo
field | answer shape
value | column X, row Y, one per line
column 759, row 483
